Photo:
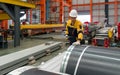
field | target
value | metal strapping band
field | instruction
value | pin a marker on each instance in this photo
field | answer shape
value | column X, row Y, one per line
column 76, row 68
column 66, row 58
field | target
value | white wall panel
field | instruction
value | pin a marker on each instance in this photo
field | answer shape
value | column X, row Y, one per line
column 80, row 8
column 111, row 6
column 102, row 7
column 87, row 8
column 87, row 1
column 53, row 3
column 57, row 15
column 53, row 14
column 111, row 0
column 53, row 19
column 111, row 20
column 102, row 12
column 84, row 13
column 74, row 7
column 95, row 7
column 118, row 11
column 57, row 3
column 95, row 1
column 66, row 14
column 101, row 18
column 119, row 6
column 28, row 17
column 102, row 0
column 119, row 18
column 66, row 8
column 80, row 2
column 111, row 12
column 58, row 9
column 74, row 2
column 95, row 12
column 95, row 19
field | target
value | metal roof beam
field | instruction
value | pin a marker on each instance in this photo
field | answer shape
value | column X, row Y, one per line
column 18, row 3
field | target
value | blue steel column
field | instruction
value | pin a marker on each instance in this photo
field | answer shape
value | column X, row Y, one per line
column 17, row 26
column 47, row 9
column 107, row 11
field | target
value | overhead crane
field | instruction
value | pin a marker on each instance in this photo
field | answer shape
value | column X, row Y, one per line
column 41, row 28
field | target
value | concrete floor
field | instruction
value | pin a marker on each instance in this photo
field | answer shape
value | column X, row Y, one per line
column 37, row 40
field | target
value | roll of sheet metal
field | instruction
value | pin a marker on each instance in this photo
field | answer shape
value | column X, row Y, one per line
column 30, row 70
column 88, row 60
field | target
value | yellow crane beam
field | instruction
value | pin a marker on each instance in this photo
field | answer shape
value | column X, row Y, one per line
column 40, row 26
column 18, row 3
column 4, row 16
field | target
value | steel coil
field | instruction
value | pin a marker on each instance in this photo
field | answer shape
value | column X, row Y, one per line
column 30, row 70
column 88, row 60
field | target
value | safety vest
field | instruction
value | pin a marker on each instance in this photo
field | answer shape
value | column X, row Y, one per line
column 74, row 30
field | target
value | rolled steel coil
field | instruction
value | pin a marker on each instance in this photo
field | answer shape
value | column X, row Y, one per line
column 30, row 70
column 89, row 60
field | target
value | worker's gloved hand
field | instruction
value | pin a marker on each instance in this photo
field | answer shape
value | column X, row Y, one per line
column 66, row 36
column 77, row 42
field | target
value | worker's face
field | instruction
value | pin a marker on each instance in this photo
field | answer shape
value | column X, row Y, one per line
column 73, row 18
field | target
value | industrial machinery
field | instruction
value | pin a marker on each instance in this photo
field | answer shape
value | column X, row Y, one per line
column 90, row 31
column 104, row 37
column 77, row 60
column 119, row 31
column 117, row 35
column 3, row 38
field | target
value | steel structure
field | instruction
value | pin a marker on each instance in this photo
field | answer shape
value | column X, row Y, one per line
column 50, row 10
column 15, row 6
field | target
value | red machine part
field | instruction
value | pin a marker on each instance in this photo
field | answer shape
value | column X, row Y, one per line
column 94, row 42
column 118, row 30
column 106, row 42
column 86, row 31
column 96, row 22
column 4, row 24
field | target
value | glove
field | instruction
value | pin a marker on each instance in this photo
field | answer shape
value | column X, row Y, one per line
column 66, row 36
column 76, row 43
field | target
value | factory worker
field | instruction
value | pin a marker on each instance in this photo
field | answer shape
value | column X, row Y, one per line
column 74, row 29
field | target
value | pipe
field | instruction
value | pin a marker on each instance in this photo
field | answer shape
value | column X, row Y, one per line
column 88, row 60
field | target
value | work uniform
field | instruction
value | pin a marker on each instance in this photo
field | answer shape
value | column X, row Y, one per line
column 74, row 31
